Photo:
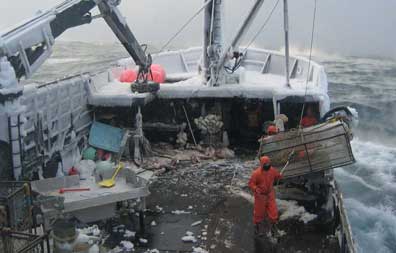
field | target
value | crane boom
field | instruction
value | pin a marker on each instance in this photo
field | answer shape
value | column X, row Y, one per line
column 117, row 23
column 29, row 44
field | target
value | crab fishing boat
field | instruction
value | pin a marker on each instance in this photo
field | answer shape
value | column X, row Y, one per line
column 214, row 95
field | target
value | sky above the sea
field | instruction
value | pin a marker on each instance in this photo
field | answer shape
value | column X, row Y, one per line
column 344, row 27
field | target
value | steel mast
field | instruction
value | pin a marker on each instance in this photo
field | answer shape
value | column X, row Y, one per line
column 216, row 73
column 286, row 29
column 213, row 37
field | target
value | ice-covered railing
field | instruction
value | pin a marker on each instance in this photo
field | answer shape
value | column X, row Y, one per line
column 56, row 118
column 273, row 62
column 259, row 60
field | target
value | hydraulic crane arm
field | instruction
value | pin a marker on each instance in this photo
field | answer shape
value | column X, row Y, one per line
column 29, row 44
column 71, row 14
column 118, row 24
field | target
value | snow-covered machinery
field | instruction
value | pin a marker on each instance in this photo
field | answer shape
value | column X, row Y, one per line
column 44, row 127
column 39, row 122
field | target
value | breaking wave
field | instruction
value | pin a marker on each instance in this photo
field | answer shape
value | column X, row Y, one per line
column 316, row 53
column 62, row 60
column 374, row 227
column 356, row 179
column 369, row 187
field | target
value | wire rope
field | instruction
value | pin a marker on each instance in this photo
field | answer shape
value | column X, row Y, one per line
column 181, row 29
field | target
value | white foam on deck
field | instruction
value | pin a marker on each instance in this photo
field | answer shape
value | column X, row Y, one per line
column 287, row 209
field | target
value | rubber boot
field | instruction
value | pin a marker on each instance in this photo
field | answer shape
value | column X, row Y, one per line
column 275, row 231
column 256, row 229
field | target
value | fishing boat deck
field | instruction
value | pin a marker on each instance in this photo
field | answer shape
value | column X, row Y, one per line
column 261, row 76
column 187, row 197
column 254, row 86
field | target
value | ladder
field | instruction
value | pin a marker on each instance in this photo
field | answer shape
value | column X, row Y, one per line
column 15, row 140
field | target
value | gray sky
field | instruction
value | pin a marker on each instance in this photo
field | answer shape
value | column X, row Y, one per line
column 345, row 27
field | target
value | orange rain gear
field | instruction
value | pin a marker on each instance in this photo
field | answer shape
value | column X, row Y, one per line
column 272, row 130
column 262, row 184
column 308, row 121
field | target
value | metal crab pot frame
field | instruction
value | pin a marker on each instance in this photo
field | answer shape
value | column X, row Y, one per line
column 319, row 148
column 17, row 242
column 16, row 205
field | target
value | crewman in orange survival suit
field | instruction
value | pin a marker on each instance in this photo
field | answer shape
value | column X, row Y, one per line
column 262, row 184
column 309, row 119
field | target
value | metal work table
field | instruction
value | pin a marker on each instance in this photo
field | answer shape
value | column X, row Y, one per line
column 88, row 206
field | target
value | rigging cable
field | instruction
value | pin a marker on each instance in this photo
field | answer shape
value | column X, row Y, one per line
column 238, row 62
column 184, row 26
column 306, row 84
column 262, row 27
column 309, row 62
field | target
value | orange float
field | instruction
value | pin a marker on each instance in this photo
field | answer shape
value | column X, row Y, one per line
column 128, row 76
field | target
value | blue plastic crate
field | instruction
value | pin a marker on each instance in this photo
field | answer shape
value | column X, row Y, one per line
column 106, row 137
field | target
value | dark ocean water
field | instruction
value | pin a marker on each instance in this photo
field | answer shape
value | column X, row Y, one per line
column 368, row 85
column 369, row 186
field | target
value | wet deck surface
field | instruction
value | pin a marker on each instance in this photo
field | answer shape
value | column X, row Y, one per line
column 226, row 218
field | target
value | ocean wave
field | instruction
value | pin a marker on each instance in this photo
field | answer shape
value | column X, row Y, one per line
column 374, row 227
column 342, row 173
column 52, row 61
column 316, row 53
column 377, row 159
column 369, row 188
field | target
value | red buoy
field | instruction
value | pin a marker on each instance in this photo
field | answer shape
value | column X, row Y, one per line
column 128, row 76
column 158, row 74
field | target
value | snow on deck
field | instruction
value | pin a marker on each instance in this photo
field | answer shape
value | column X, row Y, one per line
column 261, row 75
column 105, row 92
column 252, row 85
